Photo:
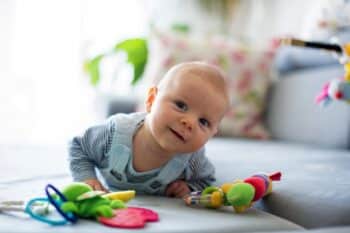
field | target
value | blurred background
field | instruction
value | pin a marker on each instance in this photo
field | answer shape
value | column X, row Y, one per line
column 49, row 88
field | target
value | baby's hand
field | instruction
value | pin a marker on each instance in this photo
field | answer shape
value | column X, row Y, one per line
column 95, row 184
column 178, row 188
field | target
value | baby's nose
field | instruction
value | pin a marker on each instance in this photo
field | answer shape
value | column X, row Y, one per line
column 186, row 122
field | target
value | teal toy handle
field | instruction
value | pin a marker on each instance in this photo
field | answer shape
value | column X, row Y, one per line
column 28, row 210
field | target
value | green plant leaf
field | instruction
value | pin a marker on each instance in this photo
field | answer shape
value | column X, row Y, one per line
column 137, row 53
column 180, row 27
column 92, row 67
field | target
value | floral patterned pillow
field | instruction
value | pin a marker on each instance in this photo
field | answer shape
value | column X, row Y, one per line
column 248, row 71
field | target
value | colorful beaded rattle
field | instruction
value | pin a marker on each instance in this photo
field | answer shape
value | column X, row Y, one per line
column 240, row 194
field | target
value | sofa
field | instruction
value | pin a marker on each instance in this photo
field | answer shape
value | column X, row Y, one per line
column 309, row 145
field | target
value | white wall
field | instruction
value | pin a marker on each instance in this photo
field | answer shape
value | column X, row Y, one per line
column 6, row 22
column 249, row 20
column 44, row 95
column 257, row 20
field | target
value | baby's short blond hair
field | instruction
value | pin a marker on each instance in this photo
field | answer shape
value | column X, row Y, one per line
column 207, row 72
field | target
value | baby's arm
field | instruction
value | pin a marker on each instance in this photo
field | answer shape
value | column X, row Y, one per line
column 200, row 172
column 87, row 152
column 198, row 175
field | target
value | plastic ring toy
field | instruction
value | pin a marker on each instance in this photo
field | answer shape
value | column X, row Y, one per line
column 38, row 217
column 57, row 203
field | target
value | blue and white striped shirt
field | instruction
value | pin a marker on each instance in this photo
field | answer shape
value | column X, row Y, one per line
column 93, row 150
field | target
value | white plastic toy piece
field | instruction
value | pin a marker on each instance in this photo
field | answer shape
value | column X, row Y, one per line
column 19, row 206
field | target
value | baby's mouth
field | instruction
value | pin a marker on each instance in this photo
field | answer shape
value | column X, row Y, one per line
column 179, row 136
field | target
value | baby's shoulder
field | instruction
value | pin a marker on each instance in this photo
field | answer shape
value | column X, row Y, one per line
column 199, row 154
column 126, row 119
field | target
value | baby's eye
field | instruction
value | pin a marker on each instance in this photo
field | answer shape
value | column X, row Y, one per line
column 181, row 105
column 204, row 122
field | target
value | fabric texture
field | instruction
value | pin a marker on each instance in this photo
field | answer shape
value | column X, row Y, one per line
column 248, row 70
column 175, row 217
column 290, row 59
column 108, row 147
column 293, row 115
column 314, row 187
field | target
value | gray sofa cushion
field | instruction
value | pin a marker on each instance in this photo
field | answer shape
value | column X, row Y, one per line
column 344, row 229
column 314, row 191
column 290, row 59
column 315, row 187
column 293, row 115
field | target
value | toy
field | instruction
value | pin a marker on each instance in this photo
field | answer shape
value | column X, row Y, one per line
column 86, row 203
column 107, row 208
column 78, row 200
column 336, row 89
column 38, row 208
column 41, row 208
column 124, row 196
column 131, row 217
column 240, row 194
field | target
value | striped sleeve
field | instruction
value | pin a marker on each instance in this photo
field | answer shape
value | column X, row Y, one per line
column 200, row 173
column 89, row 151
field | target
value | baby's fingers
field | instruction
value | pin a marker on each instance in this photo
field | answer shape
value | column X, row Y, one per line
column 170, row 191
column 95, row 184
column 99, row 187
column 182, row 191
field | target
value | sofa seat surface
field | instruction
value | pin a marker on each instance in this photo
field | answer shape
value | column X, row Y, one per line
column 339, row 229
column 315, row 187
column 26, row 170
column 314, row 191
column 174, row 215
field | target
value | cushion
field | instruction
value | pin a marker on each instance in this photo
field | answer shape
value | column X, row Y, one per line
column 247, row 68
column 289, row 59
column 39, row 166
column 296, row 117
column 174, row 216
column 338, row 229
column 314, row 188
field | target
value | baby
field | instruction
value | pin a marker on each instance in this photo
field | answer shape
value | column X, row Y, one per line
column 161, row 151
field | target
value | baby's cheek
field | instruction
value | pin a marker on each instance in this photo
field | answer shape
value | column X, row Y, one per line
column 201, row 140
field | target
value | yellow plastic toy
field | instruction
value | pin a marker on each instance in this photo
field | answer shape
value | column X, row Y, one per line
column 124, row 196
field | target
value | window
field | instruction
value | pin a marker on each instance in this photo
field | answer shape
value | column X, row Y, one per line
column 45, row 96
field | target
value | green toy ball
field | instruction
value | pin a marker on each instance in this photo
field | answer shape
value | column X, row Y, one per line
column 240, row 194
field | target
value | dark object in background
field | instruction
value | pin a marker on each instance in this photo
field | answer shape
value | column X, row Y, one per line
column 124, row 105
column 291, row 59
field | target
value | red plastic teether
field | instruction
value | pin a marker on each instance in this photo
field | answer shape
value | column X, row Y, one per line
column 131, row 217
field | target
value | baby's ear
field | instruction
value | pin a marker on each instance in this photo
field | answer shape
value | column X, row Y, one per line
column 151, row 95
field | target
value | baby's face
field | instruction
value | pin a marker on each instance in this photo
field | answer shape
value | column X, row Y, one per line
column 186, row 113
